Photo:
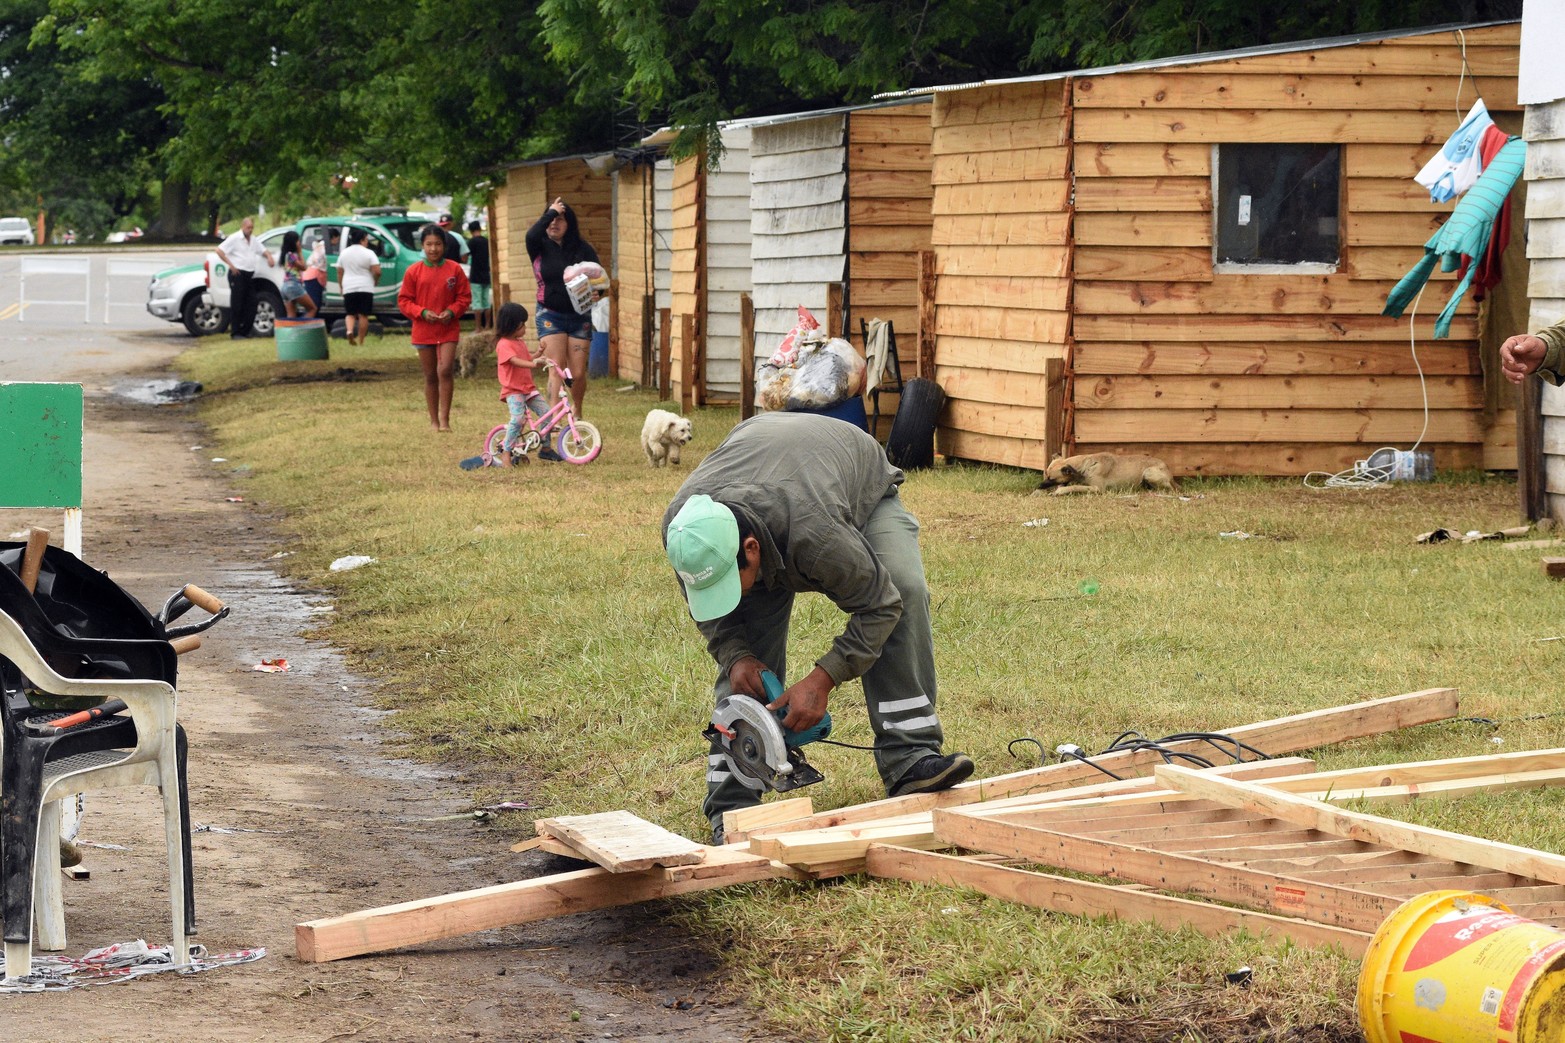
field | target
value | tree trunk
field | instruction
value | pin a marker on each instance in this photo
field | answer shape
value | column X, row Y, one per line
column 174, row 211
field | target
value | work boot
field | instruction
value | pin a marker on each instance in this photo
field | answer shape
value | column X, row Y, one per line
column 70, row 854
column 934, row 773
column 717, row 835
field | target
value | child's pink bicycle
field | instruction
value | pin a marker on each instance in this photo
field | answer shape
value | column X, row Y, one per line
column 577, row 442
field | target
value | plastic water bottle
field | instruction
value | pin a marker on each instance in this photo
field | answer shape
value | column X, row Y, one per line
column 1402, row 465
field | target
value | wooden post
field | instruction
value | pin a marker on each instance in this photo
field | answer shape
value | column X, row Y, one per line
column 1054, row 408
column 687, row 363
column 648, row 312
column 746, row 357
column 665, row 353
column 613, row 327
column 926, row 314
column 495, row 297
column 834, row 309
column 1529, row 450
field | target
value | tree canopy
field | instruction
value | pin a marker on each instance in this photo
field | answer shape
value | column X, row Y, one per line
column 234, row 102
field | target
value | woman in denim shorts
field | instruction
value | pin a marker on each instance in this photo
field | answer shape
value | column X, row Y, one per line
column 554, row 243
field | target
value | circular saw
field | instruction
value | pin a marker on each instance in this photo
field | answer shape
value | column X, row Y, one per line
column 761, row 753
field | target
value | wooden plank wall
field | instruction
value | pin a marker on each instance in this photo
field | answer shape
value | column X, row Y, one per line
column 592, row 197
column 1001, row 162
column 890, row 222
column 1545, row 133
column 798, row 222
column 687, row 261
column 727, row 220
column 517, row 205
column 1271, row 374
column 634, row 234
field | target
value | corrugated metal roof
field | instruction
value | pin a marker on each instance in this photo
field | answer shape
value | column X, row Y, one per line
column 1202, row 58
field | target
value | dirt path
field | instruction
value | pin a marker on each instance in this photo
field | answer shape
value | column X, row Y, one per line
column 323, row 820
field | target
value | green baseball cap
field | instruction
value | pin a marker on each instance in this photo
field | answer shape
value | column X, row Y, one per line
column 703, row 547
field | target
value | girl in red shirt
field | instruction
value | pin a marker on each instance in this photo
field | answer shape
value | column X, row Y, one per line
column 435, row 293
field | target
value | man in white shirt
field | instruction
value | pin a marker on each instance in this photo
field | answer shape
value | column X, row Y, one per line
column 242, row 252
column 358, row 270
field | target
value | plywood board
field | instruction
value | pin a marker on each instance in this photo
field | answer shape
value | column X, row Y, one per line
column 1279, row 359
column 1382, row 427
column 621, row 842
column 1266, row 392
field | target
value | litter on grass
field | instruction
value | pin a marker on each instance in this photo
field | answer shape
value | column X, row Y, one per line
column 1035, row 523
column 351, row 561
column 272, row 666
column 1236, row 534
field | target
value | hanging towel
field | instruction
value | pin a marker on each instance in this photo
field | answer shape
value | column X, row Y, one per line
column 877, row 345
column 1466, row 232
column 1487, row 277
column 1456, row 167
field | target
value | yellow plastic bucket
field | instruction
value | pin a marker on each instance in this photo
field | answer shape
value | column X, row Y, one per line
column 1457, row 967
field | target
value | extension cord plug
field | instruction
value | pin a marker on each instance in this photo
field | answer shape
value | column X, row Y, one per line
column 1069, row 749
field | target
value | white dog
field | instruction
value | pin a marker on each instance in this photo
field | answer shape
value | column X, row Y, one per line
column 662, row 435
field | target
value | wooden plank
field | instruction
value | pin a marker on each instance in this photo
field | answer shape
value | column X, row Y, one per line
column 960, row 139
column 910, row 238
column 738, row 824
column 1353, row 825
column 1137, row 263
column 1267, row 392
column 1280, row 458
column 1081, row 898
column 525, row 901
column 621, row 842
column 1278, row 359
column 1026, row 164
column 1049, row 261
column 998, row 197
column 1186, row 89
column 1268, row 892
column 1302, row 731
column 890, row 184
column 1166, row 229
column 885, row 156
column 1038, row 101
column 1146, row 160
column 1004, row 291
column 1262, row 425
column 888, row 211
column 1228, row 294
column 1258, row 125
column 1276, row 328
column 1144, row 194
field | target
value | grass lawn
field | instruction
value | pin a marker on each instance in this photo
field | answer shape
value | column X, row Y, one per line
column 526, row 625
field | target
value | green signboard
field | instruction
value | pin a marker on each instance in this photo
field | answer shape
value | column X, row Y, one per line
column 40, row 445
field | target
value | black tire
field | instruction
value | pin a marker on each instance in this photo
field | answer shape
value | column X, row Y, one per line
column 202, row 319
column 268, row 309
column 911, row 441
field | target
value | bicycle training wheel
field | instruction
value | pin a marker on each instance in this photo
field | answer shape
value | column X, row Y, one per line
column 581, row 445
column 494, row 443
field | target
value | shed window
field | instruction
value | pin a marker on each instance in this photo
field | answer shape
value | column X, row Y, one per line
column 1277, row 204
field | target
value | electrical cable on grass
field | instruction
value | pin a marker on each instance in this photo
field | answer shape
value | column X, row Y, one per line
column 1361, row 475
column 1133, row 741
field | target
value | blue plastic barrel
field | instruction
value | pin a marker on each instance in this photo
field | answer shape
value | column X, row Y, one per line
column 598, row 358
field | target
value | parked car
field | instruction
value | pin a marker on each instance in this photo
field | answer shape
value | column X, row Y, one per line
column 390, row 231
column 15, row 231
column 179, row 295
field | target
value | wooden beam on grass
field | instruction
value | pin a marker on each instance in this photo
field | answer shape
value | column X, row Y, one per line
column 1082, row 898
column 1269, row 892
column 525, row 901
column 1352, row 825
column 621, row 842
column 738, row 824
column 1284, row 735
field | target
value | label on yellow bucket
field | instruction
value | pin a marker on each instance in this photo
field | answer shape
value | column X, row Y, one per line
column 1467, row 976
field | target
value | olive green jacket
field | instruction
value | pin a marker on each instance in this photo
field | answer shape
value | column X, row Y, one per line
column 1552, row 368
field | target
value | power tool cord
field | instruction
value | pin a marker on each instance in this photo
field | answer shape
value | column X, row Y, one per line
column 1232, row 748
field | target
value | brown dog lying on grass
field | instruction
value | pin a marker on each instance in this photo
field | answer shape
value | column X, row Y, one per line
column 1105, row 472
column 472, row 349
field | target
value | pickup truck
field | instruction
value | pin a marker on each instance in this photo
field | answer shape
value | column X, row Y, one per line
column 391, row 233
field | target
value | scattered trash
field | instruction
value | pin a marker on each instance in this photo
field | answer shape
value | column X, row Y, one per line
column 226, row 830
column 1241, row 977
column 1088, row 586
column 1035, row 523
column 102, row 847
column 1236, row 534
column 352, row 561
column 281, row 554
column 220, row 459
column 1497, row 740
column 949, row 910
column 118, row 962
column 235, row 499
column 1443, row 535
column 197, row 448
column 272, row 666
column 508, row 805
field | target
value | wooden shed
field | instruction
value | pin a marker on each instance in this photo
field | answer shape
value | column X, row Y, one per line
column 1190, row 258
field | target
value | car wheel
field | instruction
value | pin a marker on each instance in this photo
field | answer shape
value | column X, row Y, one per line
column 268, row 308
column 200, row 318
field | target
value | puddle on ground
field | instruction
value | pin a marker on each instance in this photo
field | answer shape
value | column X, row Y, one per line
column 159, row 392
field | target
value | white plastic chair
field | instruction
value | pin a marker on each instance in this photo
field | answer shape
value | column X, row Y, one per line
column 153, row 761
